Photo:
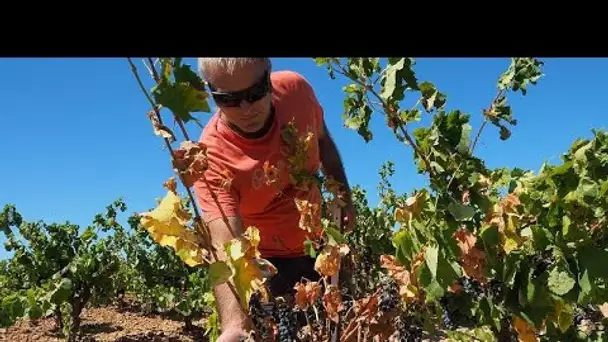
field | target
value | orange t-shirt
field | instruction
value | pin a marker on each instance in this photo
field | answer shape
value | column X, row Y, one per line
column 269, row 207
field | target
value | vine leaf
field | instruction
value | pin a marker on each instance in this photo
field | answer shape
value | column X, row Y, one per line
column 431, row 255
column 461, row 212
column 332, row 302
column 560, row 280
column 249, row 271
column 219, row 273
column 307, row 294
column 329, row 260
column 524, row 330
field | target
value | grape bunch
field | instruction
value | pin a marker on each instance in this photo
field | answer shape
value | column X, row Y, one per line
column 286, row 322
column 471, row 287
column 448, row 320
column 496, row 289
column 389, row 299
column 260, row 315
column 408, row 330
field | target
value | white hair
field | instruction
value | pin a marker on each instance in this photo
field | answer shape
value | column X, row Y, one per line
column 228, row 64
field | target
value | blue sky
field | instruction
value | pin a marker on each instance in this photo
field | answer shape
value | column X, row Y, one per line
column 76, row 137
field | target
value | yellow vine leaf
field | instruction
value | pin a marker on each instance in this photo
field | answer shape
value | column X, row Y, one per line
column 249, row 271
column 168, row 218
column 563, row 315
column 167, row 226
column 506, row 218
column 411, row 209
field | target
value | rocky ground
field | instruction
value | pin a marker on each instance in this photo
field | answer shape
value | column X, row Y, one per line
column 108, row 324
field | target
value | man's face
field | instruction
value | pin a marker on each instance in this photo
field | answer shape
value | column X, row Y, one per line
column 243, row 97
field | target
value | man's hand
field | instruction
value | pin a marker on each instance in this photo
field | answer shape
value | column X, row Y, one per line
column 231, row 335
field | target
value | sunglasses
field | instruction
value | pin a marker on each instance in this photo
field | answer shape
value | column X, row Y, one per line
column 252, row 94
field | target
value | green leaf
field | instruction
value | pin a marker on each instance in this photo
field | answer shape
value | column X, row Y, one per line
column 310, row 248
column 521, row 72
column 461, row 212
column 321, row 60
column 588, row 260
column 353, row 122
column 182, row 99
column 566, row 226
column 62, row 292
column 431, row 256
column 184, row 308
column 219, row 273
column 463, row 145
column 560, row 280
column 586, row 286
column 183, row 74
column 434, row 291
column 408, row 116
column 352, row 88
column 604, row 188
column 335, row 234
column 588, row 188
column 391, row 79
column 431, row 97
column 566, row 317
column 88, row 234
column 581, row 153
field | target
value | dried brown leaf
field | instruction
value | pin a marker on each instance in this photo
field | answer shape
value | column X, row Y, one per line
column 332, row 301
column 159, row 129
column 310, row 216
column 190, row 160
column 472, row 258
column 307, row 294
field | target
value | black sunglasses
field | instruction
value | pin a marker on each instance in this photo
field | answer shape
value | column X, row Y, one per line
column 252, row 94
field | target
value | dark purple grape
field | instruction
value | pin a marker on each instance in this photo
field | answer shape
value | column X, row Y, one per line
column 408, row 330
column 389, row 298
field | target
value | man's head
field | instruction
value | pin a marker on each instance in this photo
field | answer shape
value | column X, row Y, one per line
column 240, row 88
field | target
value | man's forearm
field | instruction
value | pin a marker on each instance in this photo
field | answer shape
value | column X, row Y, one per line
column 229, row 308
column 331, row 161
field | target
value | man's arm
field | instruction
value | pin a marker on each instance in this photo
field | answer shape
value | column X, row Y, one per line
column 231, row 314
column 330, row 158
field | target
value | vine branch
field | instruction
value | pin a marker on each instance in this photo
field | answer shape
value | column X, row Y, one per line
column 167, row 143
column 405, row 133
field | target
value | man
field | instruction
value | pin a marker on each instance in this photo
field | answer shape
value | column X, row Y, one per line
column 244, row 138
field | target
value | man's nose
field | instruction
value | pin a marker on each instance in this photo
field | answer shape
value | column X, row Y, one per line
column 245, row 105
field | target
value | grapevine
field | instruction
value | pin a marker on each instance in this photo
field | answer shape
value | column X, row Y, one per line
column 480, row 254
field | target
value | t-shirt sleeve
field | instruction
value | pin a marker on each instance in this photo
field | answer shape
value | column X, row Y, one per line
column 219, row 182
